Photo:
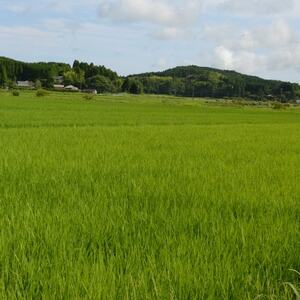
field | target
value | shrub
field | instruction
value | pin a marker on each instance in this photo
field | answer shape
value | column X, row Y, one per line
column 38, row 84
column 16, row 93
column 41, row 93
column 278, row 105
column 88, row 97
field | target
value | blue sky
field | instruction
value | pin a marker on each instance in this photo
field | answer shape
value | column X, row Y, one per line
column 260, row 37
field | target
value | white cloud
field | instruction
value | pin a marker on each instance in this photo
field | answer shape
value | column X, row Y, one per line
column 243, row 61
column 168, row 19
column 17, row 8
column 159, row 12
column 39, row 6
column 260, row 7
column 224, row 57
column 27, row 32
column 277, row 34
column 170, row 33
column 161, row 64
column 275, row 47
column 285, row 59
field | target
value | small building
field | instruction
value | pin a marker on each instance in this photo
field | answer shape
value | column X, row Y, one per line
column 90, row 91
column 58, row 79
column 298, row 102
column 25, row 84
column 58, row 86
column 71, row 88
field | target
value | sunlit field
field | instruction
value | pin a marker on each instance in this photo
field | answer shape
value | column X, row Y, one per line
column 147, row 197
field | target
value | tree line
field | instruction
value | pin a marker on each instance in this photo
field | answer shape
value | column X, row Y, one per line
column 80, row 74
column 190, row 81
column 194, row 81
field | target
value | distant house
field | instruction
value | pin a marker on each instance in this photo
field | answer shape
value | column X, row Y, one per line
column 58, row 79
column 25, row 84
column 298, row 102
column 58, row 86
column 90, row 91
column 71, row 88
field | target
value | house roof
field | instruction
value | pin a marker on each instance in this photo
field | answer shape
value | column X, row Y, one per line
column 71, row 87
column 26, row 83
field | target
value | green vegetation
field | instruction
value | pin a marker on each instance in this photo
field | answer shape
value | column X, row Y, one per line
column 15, row 93
column 16, row 70
column 88, row 96
column 194, row 81
column 146, row 197
column 190, row 81
column 41, row 93
column 81, row 75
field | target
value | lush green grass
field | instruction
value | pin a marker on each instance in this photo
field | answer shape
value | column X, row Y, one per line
column 129, row 197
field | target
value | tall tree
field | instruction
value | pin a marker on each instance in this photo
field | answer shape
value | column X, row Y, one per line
column 3, row 75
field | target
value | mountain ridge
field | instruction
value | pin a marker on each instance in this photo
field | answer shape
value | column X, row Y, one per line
column 213, row 82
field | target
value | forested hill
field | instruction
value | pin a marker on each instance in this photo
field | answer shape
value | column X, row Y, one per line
column 17, row 70
column 208, row 82
column 189, row 81
column 80, row 74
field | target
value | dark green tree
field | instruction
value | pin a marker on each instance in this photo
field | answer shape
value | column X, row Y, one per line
column 101, row 83
column 3, row 76
column 135, row 87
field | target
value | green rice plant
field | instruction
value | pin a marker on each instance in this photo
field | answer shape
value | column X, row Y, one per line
column 129, row 198
column 295, row 290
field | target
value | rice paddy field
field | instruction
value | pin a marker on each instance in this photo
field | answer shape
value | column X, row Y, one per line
column 147, row 197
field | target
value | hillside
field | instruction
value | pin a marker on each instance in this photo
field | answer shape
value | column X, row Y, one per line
column 80, row 74
column 209, row 82
column 188, row 81
column 17, row 70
